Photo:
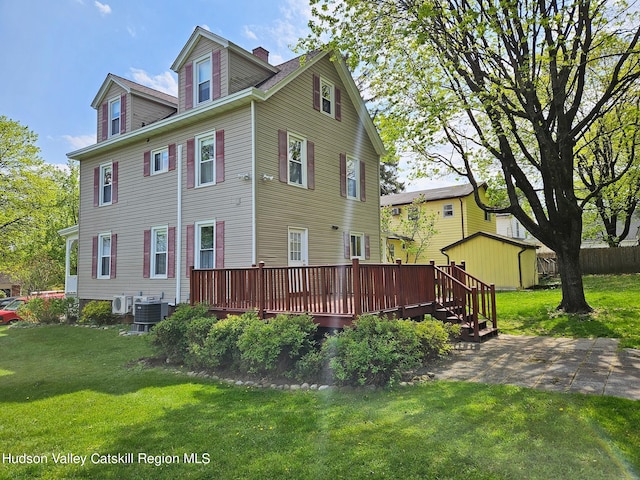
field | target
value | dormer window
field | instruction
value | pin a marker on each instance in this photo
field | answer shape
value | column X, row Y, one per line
column 203, row 80
column 114, row 117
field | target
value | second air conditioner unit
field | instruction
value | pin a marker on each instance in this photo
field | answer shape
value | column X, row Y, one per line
column 121, row 304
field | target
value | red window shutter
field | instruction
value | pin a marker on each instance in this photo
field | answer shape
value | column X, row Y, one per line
column 114, row 182
column 96, row 186
column 105, row 121
column 219, row 244
column 311, row 165
column 188, row 86
column 343, row 175
column 146, row 263
column 94, row 257
column 363, row 183
column 123, row 113
column 219, row 155
column 282, row 155
column 367, row 247
column 216, row 90
column 146, row 169
column 114, row 255
column 338, row 95
column 346, row 241
column 190, row 241
column 171, row 252
column 172, row 156
column 191, row 163
column 316, row 92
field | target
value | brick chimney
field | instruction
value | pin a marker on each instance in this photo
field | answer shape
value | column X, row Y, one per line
column 261, row 53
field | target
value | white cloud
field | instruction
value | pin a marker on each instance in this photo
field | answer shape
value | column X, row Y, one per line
column 165, row 82
column 79, row 141
column 249, row 33
column 206, row 27
column 132, row 31
column 103, row 8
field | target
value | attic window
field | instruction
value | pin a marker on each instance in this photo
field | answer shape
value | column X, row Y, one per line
column 447, row 210
column 114, row 117
column 326, row 92
column 203, row 80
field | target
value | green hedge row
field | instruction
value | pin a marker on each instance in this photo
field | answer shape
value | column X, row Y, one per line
column 373, row 351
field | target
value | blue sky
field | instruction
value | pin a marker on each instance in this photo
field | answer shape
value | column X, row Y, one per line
column 56, row 54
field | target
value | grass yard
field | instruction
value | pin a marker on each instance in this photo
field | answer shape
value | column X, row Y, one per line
column 616, row 303
column 70, row 390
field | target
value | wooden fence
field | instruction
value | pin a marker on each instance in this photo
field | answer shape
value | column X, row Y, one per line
column 596, row 261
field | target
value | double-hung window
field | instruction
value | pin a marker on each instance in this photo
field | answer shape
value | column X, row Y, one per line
column 327, row 97
column 106, row 184
column 357, row 245
column 206, row 158
column 104, row 255
column 114, row 117
column 203, row 80
column 160, row 161
column 297, row 159
column 447, row 210
column 353, row 178
column 159, row 252
column 205, row 245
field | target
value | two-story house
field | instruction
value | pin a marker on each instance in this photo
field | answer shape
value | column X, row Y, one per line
column 251, row 162
column 456, row 216
column 463, row 232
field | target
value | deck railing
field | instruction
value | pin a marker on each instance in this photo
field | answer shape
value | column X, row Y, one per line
column 344, row 291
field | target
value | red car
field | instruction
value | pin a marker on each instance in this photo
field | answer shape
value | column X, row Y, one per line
column 9, row 313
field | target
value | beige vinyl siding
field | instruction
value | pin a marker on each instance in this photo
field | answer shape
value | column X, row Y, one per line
column 243, row 73
column 204, row 47
column 114, row 91
column 145, row 112
column 280, row 205
column 145, row 202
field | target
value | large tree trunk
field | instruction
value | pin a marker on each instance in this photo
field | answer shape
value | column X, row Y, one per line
column 573, row 299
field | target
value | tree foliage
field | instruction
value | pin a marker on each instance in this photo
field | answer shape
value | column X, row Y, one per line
column 36, row 200
column 495, row 89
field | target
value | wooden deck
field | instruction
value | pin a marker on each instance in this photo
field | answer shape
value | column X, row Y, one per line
column 334, row 295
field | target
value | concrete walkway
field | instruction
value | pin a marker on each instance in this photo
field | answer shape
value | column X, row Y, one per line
column 593, row 366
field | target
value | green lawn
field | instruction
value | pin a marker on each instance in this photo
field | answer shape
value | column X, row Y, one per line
column 71, row 390
column 616, row 303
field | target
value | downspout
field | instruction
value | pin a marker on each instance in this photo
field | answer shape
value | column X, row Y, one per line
column 254, row 238
column 524, row 249
column 461, row 217
column 179, row 225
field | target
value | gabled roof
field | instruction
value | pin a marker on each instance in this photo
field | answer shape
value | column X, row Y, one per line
column 405, row 198
column 199, row 33
column 492, row 236
column 135, row 88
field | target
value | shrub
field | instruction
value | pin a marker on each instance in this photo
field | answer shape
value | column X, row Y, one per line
column 170, row 335
column 44, row 310
column 221, row 349
column 196, row 333
column 435, row 337
column 98, row 312
column 274, row 347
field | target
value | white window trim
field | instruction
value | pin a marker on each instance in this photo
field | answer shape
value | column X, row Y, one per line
column 445, row 210
column 100, row 274
column 196, row 239
column 198, row 160
column 356, row 164
column 110, row 127
column 303, row 159
column 196, row 84
column 332, row 100
column 154, row 232
column 103, row 167
column 153, row 161
column 362, row 246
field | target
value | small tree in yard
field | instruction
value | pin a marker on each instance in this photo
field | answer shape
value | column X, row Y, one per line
column 415, row 230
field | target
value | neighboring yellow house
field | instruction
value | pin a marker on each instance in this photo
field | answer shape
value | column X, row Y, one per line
column 506, row 262
column 457, row 216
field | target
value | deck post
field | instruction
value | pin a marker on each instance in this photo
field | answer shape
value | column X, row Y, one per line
column 431, row 285
column 474, row 315
column 357, row 300
column 400, row 293
column 191, row 287
column 261, row 290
